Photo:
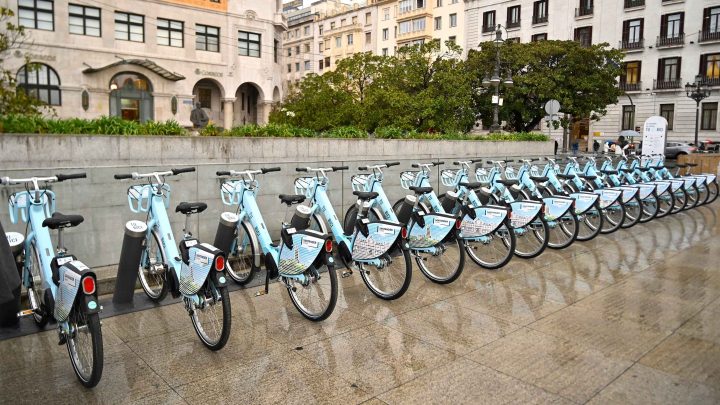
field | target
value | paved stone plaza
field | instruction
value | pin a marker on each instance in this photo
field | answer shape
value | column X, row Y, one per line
column 633, row 317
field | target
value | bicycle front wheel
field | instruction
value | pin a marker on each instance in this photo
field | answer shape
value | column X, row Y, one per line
column 316, row 295
column 85, row 347
column 212, row 319
column 41, row 317
column 152, row 269
column 590, row 223
column 712, row 191
column 650, row 208
column 445, row 264
column 692, row 198
column 563, row 231
column 532, row 239
column 239, row 264
column 680, row 200
column 666, row 201
column 633, row 212
column 703, row 194
column 492, row 251
column 613, row 217
column 391, row 278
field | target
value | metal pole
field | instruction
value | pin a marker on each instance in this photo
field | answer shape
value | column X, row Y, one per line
column 697, row 118
column 496, row 109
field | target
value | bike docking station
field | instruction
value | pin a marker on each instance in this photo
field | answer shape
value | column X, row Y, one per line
column 130, row 255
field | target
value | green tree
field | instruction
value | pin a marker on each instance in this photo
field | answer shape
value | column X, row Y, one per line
column 582, row 79
column 13, row 37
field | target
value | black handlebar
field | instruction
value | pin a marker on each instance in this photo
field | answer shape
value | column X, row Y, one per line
column 222, row 173
column 476, row 160
column 183, row 170
column 63, row 177
column 339, row 168
column 391, row 164
column 269, row 169
column 362, row 167
column 301, row 169
column 122, row 176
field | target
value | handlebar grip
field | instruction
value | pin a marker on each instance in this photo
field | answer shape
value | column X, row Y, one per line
column 475, row 160
column 391, row 164
column 509, row 161
column 269, row 169
column 456, row 163
column 339, row 168
column 415, row 165
column 222, row 173
column 362, row 167
column 489, row 162
column 122, row 176
column 63, row 177
column 301, row 169
column 534, row 159
column 442, row 162
column 183, row 170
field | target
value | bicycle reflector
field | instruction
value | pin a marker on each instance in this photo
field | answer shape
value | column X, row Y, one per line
column 88, row 285
column 458, row 223
column 219, row 263
column 328, row 245
column 403, row 232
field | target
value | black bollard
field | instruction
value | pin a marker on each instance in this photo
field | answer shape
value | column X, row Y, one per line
column 11, row 249
column 226, row 232
column 132, row 248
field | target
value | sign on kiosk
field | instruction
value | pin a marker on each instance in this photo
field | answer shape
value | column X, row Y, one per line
column 653, row 140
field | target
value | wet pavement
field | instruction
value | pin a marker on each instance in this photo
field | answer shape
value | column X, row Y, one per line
column 632, row 317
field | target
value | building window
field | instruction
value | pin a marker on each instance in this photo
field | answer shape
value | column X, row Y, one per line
column 205, row 97
column 289, row 68
column 438, row 23
column 276, row 45
column 289, row 51
column 513, row 17
column 710, row 68
column 632, row 35
column 338, row 42
column 630, row 77
column 320, row 46
column 321, row 28
column 417, row 24
column 439, row 3
column 584, row 36
column 297, row 50
column 368, row 38
column 540, row 12
column 321, row 64
column 452, row 39
column 297, row 66
column 386, row 13
column 306, row 30
column 539, row 37
column 669, row 69
column 306, row 48
column 84, row 20
column 342, row 22
column 129, row 27
column 170, row 33
column 628, row 117
column 354, row 20
column 667, row 111
column 249, row 44
column 332, row 25
column 368, row 18
column 708, row 121
column 350, row 39
column 307, row 65
column 385, row 34
column 37, row 14
column 207, row 38
column 671, row 25
column 41, row 82
column 327, row 62
column 488, row 21
column 453, row 20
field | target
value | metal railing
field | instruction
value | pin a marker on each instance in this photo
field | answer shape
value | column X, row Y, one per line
column 512, row 24
column 489, row 28
column 671, row 41
column 539, row 19
column 707, row 35
column 667, row 84
column 583, row 11
column 627, row 45
column 634, row 3
column 711, row 81
column 637, row 86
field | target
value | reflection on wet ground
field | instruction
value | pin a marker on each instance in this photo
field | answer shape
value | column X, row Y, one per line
column 631, row 317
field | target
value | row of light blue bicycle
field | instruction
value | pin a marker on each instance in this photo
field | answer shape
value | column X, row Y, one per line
column 504, row 212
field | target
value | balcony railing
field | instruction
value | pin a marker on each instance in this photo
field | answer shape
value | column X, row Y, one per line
column 667, row 84
column 634, row 3
column 635, row 45
column 707, row 35
column 583, row 11
column 512, row 24
column 539, row 19
column 637, row 86
column 489, row 28
column 711, row 81
column 671, row 41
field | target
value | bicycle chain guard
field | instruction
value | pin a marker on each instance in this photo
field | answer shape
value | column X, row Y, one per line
column 437, row 227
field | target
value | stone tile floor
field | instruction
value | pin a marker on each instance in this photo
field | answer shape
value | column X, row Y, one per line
column 632, row 317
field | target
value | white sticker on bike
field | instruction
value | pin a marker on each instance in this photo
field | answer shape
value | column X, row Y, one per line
column 442, row 221
column 386, row 230
column 202, row 258
column 310, row 243
column 63, row 260
column 71, row 279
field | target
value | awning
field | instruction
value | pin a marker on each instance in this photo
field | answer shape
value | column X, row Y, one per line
column 146, row 63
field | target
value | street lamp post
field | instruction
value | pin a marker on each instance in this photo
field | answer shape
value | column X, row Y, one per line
column 697, row 91
column 495, row 80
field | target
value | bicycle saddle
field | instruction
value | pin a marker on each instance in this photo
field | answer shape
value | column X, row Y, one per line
column 483, row 192
column 626, row 170
column 540, row 179
column 691, row 164
column 291, row 199
column 421, row 190
column 643, row 169
column 365, row 195
column 587, row 176
column 59, row 220
column 474, row 185
column 566, row 176
column 609, row 171
column 508, row 182
column 191, row 207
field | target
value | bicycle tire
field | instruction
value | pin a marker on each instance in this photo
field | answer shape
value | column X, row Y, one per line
column 613, row 223
column 160, row 295
column 703, row 195
column 713, row 191
column 531, row 228
column 93, row 328
column 41, row 317
column 222, row 338
column 505, row 236
column 391, row 295
column 692, row 198
column 592, row 219
column 680, row 200
column 629, row 220
column 453, row 275
column 650, row 207
column 323, row 313
column 244, row 269
column 666, row 201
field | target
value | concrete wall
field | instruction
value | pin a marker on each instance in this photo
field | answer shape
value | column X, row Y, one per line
column 103, row 200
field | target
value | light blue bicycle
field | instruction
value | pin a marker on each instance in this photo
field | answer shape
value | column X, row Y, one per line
column 378, row 248
column 195, row 271
column 58, row 285
column 302, row 259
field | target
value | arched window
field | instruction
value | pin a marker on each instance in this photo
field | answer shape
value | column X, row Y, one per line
column 40, row 81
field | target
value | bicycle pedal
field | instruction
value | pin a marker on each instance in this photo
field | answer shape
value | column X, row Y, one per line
column 63, row 340
column 346, row 273
column 24, row 313
column 260, row 293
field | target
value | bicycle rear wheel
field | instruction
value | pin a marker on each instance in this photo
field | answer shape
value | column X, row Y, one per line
column 532, row 239
column 392, row 277
column 563, row 231
column 85, row 347
column 590, row 223
column 239, row 264
column 151, row 271
column 493, row 251
column 212, row 319
column 633, row 212
column 41, row 317
column 650, row 208
column 316, row 296
column 445, row 264
column 613, row 217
